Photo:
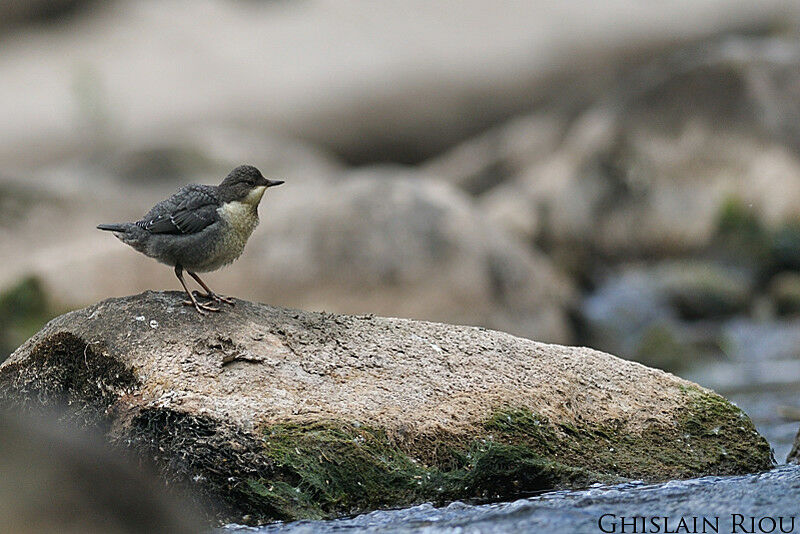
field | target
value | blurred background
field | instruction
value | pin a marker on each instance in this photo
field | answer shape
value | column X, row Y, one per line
column 620, row 174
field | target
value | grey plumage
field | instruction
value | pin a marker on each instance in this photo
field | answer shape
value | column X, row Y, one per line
column 201, row 227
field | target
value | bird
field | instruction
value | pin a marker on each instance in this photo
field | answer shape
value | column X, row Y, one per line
column 199, row 229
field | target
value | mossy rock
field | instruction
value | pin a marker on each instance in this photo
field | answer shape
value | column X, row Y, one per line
column 662, row 347
column 268, row 413
column 699, row 289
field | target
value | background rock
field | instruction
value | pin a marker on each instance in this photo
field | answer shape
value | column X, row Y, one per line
column 647, row 171
column 380, row 240
column 646, row 310
column 347, row 78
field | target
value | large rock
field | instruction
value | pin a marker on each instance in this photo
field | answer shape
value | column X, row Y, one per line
column 277, row 413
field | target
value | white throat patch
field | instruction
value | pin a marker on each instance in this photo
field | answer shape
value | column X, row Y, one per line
column 254, row 196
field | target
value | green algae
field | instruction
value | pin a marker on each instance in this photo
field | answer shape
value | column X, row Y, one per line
column 327, row 469
column 24, row 309
column 722, row 440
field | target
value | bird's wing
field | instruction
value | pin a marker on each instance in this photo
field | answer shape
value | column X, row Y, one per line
column 188, row 211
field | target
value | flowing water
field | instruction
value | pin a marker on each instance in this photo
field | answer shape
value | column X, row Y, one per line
column 729, row 503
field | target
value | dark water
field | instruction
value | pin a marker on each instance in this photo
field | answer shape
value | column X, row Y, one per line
column 728, row 503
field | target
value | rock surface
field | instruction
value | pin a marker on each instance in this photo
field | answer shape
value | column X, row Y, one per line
column 276, row 413
column 794, row 454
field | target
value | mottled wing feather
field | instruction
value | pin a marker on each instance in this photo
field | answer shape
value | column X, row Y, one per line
column 189, row 211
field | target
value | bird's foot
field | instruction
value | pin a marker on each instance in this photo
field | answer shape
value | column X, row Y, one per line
column 201, row 308
column 215, row 297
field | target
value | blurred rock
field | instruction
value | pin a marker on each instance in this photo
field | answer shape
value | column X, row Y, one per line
column 500, row 154
column 177, row 156
column 393, row 241
column 17, row 12
column 784, row 289
column 380, row 240
column 70, row 482
column 751, row 340
column 642, row 312
column 746, row 84
column 785, row 245
column 650, row 170
column 396, row 82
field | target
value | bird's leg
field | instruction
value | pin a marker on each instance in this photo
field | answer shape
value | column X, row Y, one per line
column 192, row 301
column 210, row 294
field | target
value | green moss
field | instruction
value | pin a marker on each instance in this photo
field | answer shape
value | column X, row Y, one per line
column 660, row 347
column 24, row 309
column 720, row 437
column 327, row 469
column 737, row 218
column 743, row 238
column 740, row 233
column 710, row 436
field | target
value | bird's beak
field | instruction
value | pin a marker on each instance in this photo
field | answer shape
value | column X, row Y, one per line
column 272, row 183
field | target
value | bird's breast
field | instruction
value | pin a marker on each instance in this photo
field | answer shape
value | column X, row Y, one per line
column 240, row 218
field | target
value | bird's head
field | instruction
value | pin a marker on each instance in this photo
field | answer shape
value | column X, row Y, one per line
column 245, row 184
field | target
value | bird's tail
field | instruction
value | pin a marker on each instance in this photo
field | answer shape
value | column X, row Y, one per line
column 112, row 227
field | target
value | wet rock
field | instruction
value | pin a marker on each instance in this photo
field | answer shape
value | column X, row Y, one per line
column 55, row 480
column 794, row 454
column 644, row 312
column 279, row 413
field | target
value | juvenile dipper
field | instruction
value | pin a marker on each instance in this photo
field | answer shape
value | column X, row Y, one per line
column 200, row 228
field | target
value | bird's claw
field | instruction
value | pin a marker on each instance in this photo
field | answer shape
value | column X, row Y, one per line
column 201, row 307
column 215, row 297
